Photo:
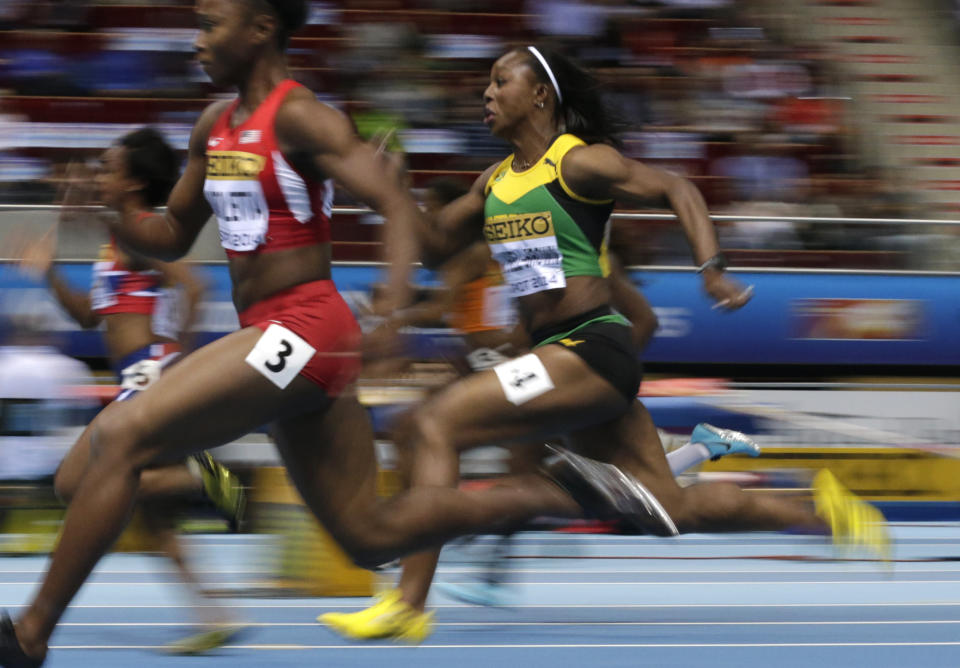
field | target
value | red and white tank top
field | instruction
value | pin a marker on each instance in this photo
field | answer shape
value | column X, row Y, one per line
column 262, row 203
column 118, row 289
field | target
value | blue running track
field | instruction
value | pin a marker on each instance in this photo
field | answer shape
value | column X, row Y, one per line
column 770, row 600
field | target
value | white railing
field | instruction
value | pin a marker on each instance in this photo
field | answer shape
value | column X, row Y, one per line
column 48, row 209
column 624, row 215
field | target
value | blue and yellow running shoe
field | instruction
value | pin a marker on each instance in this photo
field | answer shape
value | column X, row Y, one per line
column 389, row 617
column 721, row 442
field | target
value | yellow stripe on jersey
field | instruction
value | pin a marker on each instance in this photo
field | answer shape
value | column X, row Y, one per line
column 509, row 185
column 234, row 165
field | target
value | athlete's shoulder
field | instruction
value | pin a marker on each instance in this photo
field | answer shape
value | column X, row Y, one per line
column 494, row 173
column 302, row 120
column 600, row 154
column 212, row 113
column 204, row 125
column 567, row 141
column 583, row 166
column 301, row 106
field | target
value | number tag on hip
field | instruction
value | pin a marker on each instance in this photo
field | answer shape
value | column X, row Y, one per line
column 141, row 375
column 280, row 355
column 523, row 379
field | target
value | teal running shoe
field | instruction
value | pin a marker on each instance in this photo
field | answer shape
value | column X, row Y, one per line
column 721, row 442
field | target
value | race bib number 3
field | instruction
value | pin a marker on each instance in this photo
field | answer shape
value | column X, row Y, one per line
column 280, row 355
column 523, row 379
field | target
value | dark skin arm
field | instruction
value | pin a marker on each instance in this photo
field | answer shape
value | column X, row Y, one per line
column 464, row 267
column 178, row 274
column 601, row 172
column 320, row 139
column 76, row 303
column 37, row 261
column 455, row 227
column 632, row 304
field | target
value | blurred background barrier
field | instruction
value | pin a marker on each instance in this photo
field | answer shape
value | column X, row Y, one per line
column 844, row 308
column 643, row 239
column 906, row 484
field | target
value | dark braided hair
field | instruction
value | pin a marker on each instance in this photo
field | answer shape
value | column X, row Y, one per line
column 583, row 111
column 153, row 162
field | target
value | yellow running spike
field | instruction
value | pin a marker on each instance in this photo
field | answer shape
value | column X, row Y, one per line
column 388, row 617
column 852, row 521
column 206, row 641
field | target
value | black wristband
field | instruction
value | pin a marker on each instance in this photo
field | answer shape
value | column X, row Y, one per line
column 718, row 262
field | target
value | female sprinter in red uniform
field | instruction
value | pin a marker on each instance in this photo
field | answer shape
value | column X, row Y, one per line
column 144, row 305
column 261, row 163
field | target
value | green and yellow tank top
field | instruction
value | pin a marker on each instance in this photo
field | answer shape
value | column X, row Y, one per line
column 539, row 230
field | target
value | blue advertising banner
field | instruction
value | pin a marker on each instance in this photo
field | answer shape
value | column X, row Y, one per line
column 794, row 318
column 809, row 318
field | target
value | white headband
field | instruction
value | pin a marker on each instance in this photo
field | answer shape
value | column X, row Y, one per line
column 553, row 79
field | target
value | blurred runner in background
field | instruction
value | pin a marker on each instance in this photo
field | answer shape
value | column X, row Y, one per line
column 146, row 308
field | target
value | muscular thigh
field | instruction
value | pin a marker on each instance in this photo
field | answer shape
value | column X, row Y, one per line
column 478, row 409
column 209, row 398
column 71, row 469
column 331, row 459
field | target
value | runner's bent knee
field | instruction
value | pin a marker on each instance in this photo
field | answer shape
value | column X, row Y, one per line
column 120, row 434
column 369, row 543
column 65, row 483
column 430, row 432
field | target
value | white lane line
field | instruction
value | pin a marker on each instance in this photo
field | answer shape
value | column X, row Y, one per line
column 801, row 569
column 561, row 606
column 534, row 646
column 686, row 571
column 707, row 537
column 716, row 583
column 570, row 583
column 758, row 537
column 42, row 571
column 159, row 583
column 476, row 624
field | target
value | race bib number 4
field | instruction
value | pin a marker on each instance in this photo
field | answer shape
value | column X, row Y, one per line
column 523, row 379
column 280, row 355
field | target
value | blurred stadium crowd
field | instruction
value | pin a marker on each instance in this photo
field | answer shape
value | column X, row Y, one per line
column 763, row 119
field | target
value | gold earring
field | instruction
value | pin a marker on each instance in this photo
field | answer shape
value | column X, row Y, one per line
column 539, row 105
